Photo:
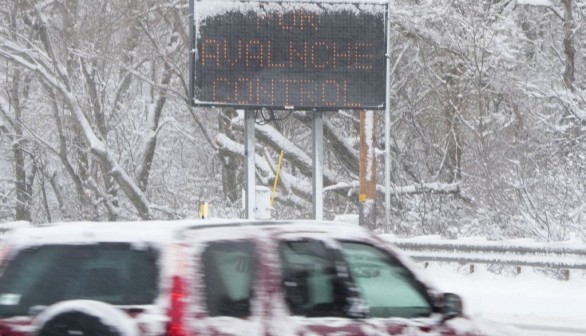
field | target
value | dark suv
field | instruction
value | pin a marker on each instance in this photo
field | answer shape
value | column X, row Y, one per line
column 217, row 278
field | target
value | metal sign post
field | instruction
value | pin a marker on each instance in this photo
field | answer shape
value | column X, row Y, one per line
column 249, row 154
column 318, row 164
column 388, row 122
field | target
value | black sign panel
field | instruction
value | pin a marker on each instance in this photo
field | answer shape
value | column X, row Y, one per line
column 286, row 55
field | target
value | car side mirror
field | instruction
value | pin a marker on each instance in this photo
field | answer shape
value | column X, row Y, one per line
column 451, row 306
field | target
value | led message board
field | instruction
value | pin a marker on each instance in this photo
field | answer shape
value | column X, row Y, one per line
column 288, row 55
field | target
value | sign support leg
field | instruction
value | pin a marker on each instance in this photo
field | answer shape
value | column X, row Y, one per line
column 318, row 163
column 249, row 168
column 388, row 168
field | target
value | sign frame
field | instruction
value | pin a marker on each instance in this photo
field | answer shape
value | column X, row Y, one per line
column 193, row 58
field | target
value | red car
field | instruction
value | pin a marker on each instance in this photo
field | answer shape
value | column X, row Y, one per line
column 217, row 278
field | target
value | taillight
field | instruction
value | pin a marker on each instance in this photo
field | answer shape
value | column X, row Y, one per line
column 4, row 252
column 176, row 327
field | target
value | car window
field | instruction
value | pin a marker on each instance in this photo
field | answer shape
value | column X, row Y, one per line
column 310, row 280
column 110, row 272
column 388, row 288
column 229, row 269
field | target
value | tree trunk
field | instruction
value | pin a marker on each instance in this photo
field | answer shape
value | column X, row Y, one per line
column 231, row 163
column 153, row 117
column 569, row 47
column 453, row 148
column 23, row 196
column 23, row 183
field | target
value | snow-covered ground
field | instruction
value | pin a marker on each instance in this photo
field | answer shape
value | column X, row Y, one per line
column 533, row 302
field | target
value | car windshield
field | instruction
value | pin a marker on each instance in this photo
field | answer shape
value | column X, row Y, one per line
column 115, row 273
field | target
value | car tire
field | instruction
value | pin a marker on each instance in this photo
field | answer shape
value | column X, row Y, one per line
column 83, row 318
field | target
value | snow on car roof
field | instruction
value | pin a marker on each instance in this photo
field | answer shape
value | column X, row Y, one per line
column 157, row 232
column 87, row 232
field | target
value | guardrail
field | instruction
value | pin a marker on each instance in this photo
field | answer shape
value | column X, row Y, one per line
column 564, row 256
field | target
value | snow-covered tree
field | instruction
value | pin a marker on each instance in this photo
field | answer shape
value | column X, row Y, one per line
column 488, row 127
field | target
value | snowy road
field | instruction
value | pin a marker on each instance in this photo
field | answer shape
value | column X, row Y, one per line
column 549, row 329
column 532, row 302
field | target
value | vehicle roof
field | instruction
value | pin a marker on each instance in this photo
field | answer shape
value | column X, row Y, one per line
column 159, row 231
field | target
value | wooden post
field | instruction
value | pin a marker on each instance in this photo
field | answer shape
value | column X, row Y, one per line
column 367, row 194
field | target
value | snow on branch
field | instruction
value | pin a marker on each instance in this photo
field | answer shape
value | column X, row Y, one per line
column 341, row 146
column 225, row 143
column 301, row 189
column 426, row 188
column 546, row 3
column 343, row 186
column 421, row 188
column 57, row 78
column 293, row 153
column 542, row 3
column 574, row 102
